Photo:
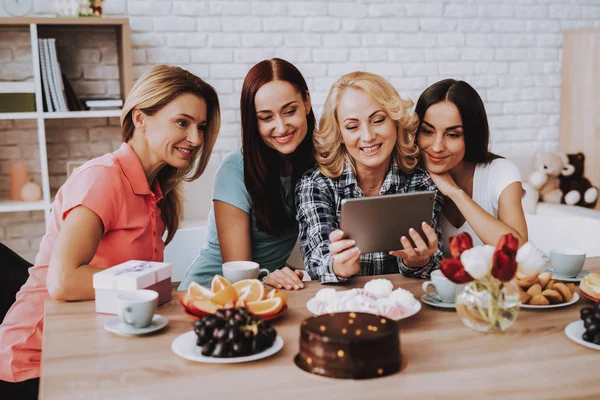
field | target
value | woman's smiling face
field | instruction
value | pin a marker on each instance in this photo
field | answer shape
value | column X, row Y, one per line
column 368, row 133
column 281, row 115
column 441, row 137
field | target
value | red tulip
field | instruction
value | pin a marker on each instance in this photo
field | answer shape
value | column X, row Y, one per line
column 453, row 269
column 460, row 243
column 504, row 263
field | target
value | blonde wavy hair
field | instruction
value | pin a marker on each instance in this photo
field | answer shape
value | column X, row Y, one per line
column 330, row 151
column 156, row 88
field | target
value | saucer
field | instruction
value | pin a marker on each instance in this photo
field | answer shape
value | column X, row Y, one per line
column 118, row 327
column 575, row 330
column 563, row 278
column 425, row 298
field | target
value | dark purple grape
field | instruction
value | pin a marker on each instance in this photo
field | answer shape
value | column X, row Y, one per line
column 199, row 324
column 220, row 333
column 271, row 334
column 234, row 322
column 597, row 306
column 587, row 337
column 248, row 335
column 228, row 313
column 210, row 321
column 259, row 343
column 208, row 348
column 597, row 316
column 221, row 349
column 220, row 313
column 586, row 312
column 220, row 323
column 593, row 328
column 239, row 317
column 597, row 338
column 240, row 348
column 588, row 321
column 234, row 334
column 205, row 332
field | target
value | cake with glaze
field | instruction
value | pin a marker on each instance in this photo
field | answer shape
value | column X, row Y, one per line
column 349, row 345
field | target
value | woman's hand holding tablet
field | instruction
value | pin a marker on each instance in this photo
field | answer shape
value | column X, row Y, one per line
column 346, row 257
column 417, row 256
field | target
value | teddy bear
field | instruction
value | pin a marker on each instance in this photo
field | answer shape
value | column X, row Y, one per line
column 577, row 189
column 547, row 168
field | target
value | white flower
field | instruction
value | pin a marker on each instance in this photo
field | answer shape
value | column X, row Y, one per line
column 530, row 259
column 477, row 260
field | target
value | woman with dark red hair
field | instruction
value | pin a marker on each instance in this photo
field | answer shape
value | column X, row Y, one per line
column 253, row 213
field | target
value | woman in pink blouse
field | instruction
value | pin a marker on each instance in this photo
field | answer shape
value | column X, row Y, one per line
column 112, row 209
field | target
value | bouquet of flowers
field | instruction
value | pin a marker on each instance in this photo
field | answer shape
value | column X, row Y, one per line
column 489, row 301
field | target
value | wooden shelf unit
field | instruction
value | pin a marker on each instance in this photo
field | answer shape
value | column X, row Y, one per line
column 125, row 80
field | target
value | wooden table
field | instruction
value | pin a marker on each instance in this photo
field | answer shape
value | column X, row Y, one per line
column 444, row 359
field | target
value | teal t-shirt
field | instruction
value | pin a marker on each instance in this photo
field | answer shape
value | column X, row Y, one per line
column 269, row 251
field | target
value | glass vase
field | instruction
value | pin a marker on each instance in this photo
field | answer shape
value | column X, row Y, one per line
column 488, row 305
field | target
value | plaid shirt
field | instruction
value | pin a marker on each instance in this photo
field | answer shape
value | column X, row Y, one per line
column 319, row 202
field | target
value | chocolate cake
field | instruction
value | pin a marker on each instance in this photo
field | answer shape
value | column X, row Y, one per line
column 349, row 345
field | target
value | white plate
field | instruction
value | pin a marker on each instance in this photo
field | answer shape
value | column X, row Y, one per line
column 118, row 327
column 425, row 298
column 185, row 346
column 312, row 307
column 574, row 300
column 563, row 278
column 575, row 330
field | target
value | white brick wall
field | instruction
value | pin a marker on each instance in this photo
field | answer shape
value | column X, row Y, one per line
column 509, row 50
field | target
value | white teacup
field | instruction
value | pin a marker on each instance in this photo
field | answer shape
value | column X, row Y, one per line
column 235, row 271
column 444, row 289
column 136, row 308
column 567, row 262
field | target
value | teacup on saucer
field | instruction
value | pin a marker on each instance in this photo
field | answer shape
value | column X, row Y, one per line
column 427, row 299
column 118, row 327
column 563, row 278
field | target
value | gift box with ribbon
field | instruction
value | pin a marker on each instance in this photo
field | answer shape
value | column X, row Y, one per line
column 131, row 275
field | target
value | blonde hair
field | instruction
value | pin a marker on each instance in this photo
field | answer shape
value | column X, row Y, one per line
column 156, row 88
column 330, row 151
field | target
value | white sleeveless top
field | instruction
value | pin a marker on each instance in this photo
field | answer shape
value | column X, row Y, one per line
column 489, row 181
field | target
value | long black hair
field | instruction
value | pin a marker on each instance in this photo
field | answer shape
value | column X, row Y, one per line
column 472, row 112
column 262, row 164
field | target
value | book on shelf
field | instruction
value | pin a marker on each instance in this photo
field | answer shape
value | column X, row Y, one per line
column 17, row 97
column 103, row 103
column 58, row 93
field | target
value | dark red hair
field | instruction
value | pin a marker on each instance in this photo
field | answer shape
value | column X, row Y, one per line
column 262, row 164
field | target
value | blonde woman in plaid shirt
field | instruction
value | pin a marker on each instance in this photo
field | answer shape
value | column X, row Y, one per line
column 365, row 147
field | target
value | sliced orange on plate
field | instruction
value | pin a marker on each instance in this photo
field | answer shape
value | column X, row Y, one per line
column 225, row 296
column 277, row 293
column 249, row 290
column 199, row 292
column 264, row 308
column 219, row 283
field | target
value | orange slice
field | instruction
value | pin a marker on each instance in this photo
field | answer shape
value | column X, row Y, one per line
column 199, row 292
column 201, row 307
column 224, row 296
column 219, row 283
column 265, row 308
column 278, row 293
column 249, row 290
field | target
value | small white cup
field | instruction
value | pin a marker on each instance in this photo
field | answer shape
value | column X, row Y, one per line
column 567, row 262
column 444, row 289
column 136, row 308
column 235, row 271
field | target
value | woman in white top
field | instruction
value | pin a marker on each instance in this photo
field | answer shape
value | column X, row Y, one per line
column 483, row 191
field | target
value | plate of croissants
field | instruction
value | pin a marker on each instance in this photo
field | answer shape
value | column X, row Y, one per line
column 541, row 291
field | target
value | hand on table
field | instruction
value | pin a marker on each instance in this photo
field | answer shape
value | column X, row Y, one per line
column 286, row 278
column 418, row 256
column 346, row 257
